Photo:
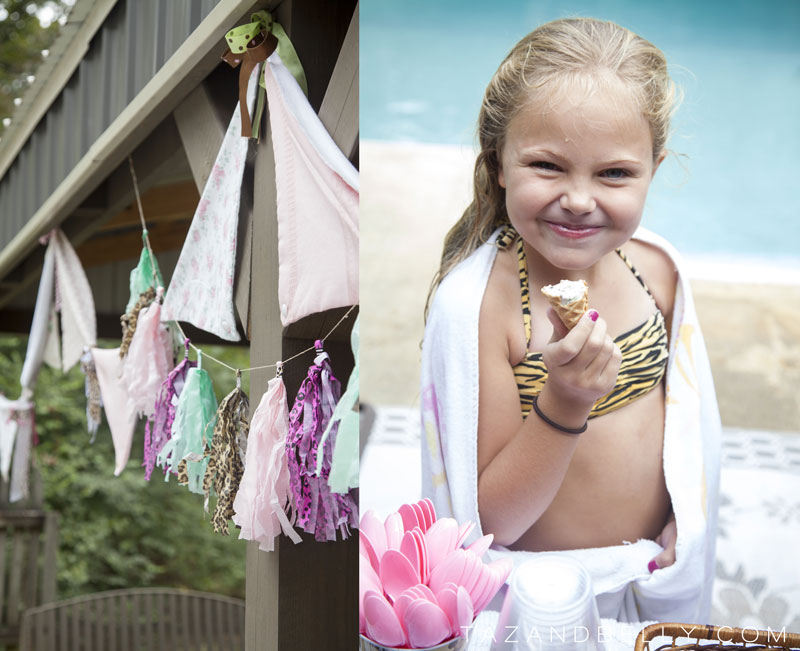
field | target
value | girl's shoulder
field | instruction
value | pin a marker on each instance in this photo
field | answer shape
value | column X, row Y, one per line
column 655, row 259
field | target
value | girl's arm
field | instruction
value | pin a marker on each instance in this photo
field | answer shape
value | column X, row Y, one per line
column 521, row 464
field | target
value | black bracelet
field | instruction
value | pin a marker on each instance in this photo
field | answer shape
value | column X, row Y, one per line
column 560, row 428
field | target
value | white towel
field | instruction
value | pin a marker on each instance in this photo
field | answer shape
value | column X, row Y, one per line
column 625, row 589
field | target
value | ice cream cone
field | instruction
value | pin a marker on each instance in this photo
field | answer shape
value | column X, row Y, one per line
column 570, row 299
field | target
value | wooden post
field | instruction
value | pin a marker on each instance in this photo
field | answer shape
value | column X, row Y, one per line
column 263, row 609
column 301, row 596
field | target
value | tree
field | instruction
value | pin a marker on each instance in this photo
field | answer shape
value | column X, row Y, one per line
column 23, row 37
column 118, row 532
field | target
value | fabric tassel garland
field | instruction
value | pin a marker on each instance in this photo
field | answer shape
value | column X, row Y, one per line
column 343, row 468
column 149, row 359
column 94, row 401
column 144, row 275
column 226, row 455
column 319, row 511
column 195, row 416
column 159, row 431
column 264, row 496
column 130, row 319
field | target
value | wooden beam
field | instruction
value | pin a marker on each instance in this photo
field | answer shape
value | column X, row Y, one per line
column 339, row 110
column 184, row 70
column 105, row 248
column 163, row 203
column 157, row 157
column 201, row 131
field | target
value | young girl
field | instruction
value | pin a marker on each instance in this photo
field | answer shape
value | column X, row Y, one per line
column 600, row 441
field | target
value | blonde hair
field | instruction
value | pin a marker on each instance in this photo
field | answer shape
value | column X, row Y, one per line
column 553, row 57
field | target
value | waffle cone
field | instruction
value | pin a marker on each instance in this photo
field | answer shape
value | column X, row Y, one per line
column 572, row 312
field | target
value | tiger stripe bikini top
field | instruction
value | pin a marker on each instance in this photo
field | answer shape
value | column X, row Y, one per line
column 645, row 350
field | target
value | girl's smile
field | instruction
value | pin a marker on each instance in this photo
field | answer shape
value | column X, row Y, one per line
column 576, row 177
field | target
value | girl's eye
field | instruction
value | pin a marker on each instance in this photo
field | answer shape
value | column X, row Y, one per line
column 615, row 173
column 545, row 165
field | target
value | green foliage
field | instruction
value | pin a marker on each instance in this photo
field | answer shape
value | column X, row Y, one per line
column 121, row 531
column 22, row 39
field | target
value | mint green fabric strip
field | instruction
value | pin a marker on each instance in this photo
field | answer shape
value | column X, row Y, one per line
column 239, row 37
column 142, row 277
column 344, row 464
column 288, row 55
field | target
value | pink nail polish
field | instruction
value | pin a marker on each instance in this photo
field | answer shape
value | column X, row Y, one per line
column 593, row 314
column 653, row 566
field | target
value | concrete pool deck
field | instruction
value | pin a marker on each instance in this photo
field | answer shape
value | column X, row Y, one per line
column 411, row 195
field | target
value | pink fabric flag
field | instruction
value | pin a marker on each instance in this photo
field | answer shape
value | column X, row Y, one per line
column 120, row 416
column 149, row 360
column 317, row 191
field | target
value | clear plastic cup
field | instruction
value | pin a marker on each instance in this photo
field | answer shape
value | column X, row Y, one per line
column 550, row 606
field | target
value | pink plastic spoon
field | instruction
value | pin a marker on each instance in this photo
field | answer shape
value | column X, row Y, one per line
column 465, row 612
column 410, row 549
column 431, row 507
column 420, row 514
column 373, row 528
column 424, row 592
column 472, row 569
column 422, row 547
column 489, row 591
column 426, row 623
column 382, row 623
column 448, row 602
column 449, row 570
column 397, row 574
column 463, row 532
column 409, row 516
column 440, row 541
column 394, row 531
column 485, row 577
column 427, row 511
column 500, row 570
column 367, row 580
column 365, row 548
column 481, row 545
column 402, row 603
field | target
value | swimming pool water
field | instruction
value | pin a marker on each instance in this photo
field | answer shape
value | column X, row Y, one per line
column 731, row 190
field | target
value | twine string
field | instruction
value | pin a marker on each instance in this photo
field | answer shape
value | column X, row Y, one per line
column 187, row 342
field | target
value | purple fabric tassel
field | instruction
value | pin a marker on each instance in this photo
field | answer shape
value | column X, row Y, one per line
column 158, row 430
column 319, row 511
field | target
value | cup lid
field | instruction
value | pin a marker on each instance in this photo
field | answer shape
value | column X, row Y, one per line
column 553, row 588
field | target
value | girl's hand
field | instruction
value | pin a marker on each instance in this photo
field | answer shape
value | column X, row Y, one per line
column 667, row 539
column 582, row 363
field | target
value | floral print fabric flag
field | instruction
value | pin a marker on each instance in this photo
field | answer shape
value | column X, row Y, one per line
column 201, row 290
